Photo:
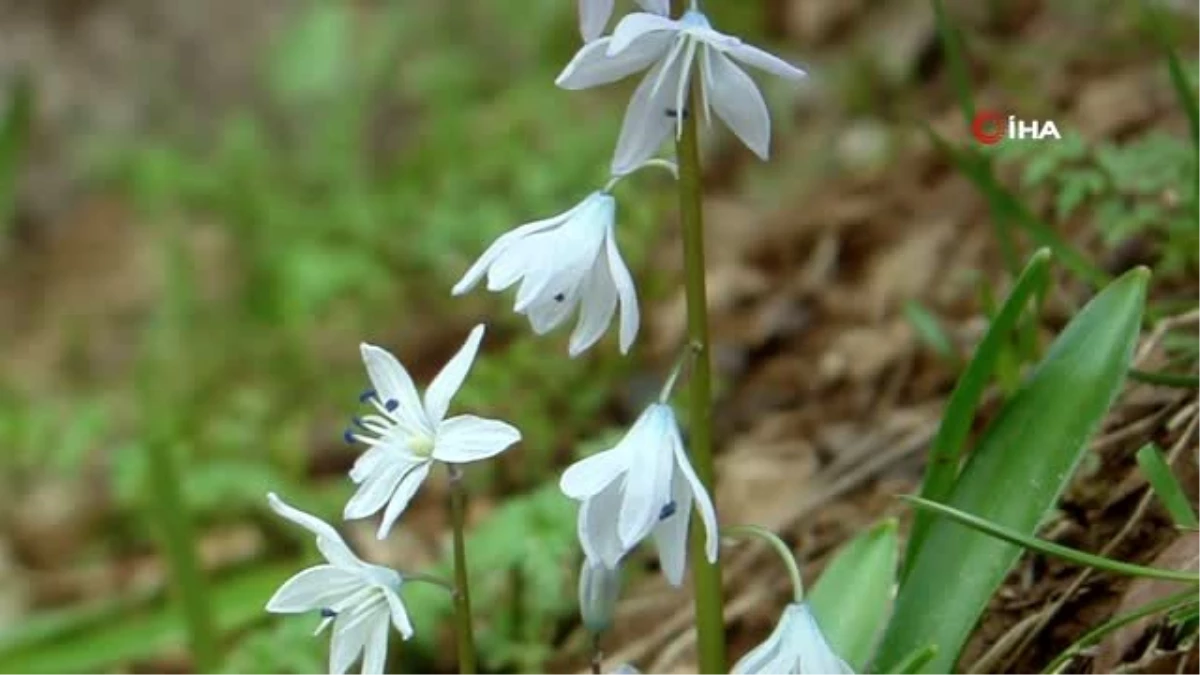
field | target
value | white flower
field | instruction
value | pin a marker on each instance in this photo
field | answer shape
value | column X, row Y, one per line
column 599, row 588
column 593, row 14
column 406, row 435
column 642, row 39
column 564, row 262
column 643, row 485
column 795, row 646
column 358, row 598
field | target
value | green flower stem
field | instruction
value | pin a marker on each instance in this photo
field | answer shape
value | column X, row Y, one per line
column 785, row 553
column 464, row 633
column 170, row 515
column 706, row 576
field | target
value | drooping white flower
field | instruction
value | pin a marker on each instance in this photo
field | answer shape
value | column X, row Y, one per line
column 643, row 485
column 795, row 646
column 564, row 262
column 593, row 14
column 670, row 47
column 407, row 435
column 357, row 598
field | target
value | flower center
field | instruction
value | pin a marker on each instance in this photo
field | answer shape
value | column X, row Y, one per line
column 421, row 445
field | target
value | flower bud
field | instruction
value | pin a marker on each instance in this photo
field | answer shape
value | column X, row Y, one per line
column 598, row 591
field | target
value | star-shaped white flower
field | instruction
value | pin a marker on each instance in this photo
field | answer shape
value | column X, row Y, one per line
column 407, row 435
column 645, row 484
column 593, row 14
column 797, row 645
column 358, row 598
column 660, row 101
column 564, row 262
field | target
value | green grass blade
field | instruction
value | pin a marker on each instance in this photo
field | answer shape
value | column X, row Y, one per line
column 1169, row 603
column 1179, row 78
column 930, row 331
column 1015, row 475
column 941, row 470
column 1178, row 381
column 852, row 597
column 1166, row 486
column 1052, row 549
column 960, row 73
column 101, row 647
column 14, row 135
column 914, row 661
column 1004, row 204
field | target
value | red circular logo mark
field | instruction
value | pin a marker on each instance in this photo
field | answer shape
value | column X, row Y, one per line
column 988, row 127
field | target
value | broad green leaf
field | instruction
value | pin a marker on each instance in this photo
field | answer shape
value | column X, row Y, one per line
column 90, row 646
column 941, row 470
column 852, row 598
column 1166, row 485
column 1015, row 475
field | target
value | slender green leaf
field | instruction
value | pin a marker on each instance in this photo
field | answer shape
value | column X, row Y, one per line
column 977, row 169
column 1052, row 549
column 915, row 660
column 14, row 135
column 960, row 73
column 1177, row 380
column 941, row 470
column 1166, row 486
column 1015, row 475
column 1179, row 77
column 852, row 598
column 1170, row 603
column 139, row 635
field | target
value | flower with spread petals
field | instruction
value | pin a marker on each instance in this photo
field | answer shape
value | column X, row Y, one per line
column 360, row 600
column 795, row 646
column 564, row 262
column 406, row 435
column 670, row 48
column 643, row 485
column 593, row 14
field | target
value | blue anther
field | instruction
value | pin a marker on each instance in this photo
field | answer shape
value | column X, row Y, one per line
column 348, row 436
column 391, row 404
column 327, row 613
column 667, row 511
column 359, row 423
column 366, row 396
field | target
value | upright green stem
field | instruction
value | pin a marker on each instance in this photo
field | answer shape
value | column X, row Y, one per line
column 706, row 576
column 464, row 633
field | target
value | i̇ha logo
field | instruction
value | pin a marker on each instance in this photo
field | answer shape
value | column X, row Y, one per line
column 989, row 127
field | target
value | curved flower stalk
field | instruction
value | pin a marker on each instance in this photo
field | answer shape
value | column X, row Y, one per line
column 406, row 435
column 594, row 14
column 565, row 262
column 670, row 48
column 357, row 598
column 797, row 645
column 643, row 485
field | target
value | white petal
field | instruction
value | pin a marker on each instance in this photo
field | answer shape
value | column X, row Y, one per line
column 704, row 504
column 446, row 384
column 636, row 26
column 520, row 260
column 630, row 319
column 376, row 490
column 392, row 383
column 591, row 67
column 597, row 528
column 501, row 245
column 546, row 316
column 661, row 7
column 467, row 438
column 314, row 588
column 805, row 639
column 593, row 16
column 590, row 475
column 647, row 123
column 401, row 497
column 670, row 535
column 399, row 614
column 329, row 542
column 350, row 632
column 753, row 56
column 370, row 462
column 648, row 481
column 375, row 650
column 597, row 302
column 768, row 657
column 737, row 101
